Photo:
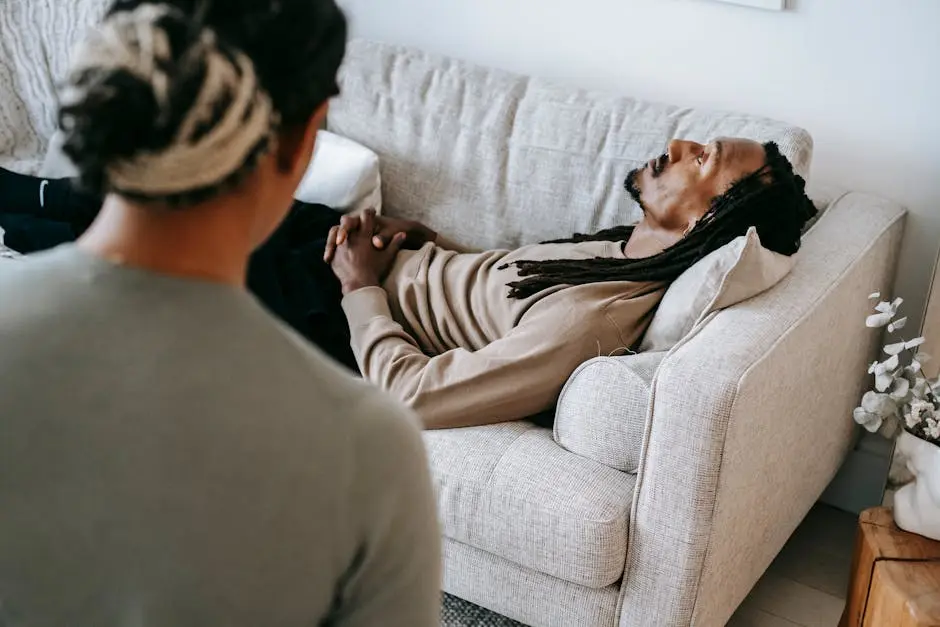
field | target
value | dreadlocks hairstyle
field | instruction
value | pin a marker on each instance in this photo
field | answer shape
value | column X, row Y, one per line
column 175, row 101
column 772, row 199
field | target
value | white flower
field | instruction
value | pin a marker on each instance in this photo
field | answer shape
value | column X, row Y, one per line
column 921, row 411
column 897, row 325
column 874, row 295
column 917, row 341
column 933, row 428
column 911, row 421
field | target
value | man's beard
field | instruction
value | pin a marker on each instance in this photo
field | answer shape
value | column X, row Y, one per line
column 630, row 184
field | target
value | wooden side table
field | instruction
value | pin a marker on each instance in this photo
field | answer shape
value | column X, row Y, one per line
column 895, row 576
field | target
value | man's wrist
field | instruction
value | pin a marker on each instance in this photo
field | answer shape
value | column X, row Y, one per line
column 358, row 284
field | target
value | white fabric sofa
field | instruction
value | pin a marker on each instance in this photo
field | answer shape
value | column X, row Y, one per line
column 695, row 464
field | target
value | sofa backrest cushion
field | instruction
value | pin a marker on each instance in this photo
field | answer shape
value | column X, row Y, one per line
column 493, row 159
column 737, row 271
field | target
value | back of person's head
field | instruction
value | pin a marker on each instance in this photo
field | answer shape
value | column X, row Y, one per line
column 176, row 102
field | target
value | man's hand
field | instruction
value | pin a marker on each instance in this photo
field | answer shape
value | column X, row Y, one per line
column 357, row 263
column 382, row 231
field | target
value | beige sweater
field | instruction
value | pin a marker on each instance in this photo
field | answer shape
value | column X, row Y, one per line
column 444, row 337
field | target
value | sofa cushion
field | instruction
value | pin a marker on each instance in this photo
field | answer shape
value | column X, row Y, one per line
column 493, row 159
column 737, row 271
column 508, row 489
column 602, row 410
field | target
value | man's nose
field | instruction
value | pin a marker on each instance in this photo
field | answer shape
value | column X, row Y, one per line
column 679, row 148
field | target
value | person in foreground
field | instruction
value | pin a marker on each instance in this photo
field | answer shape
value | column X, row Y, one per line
column 172, row 455
column 475, row 338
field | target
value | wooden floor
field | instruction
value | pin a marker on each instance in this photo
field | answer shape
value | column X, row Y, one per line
column 806, row 585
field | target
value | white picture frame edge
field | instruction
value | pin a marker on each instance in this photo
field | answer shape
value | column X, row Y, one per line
column 769, row 5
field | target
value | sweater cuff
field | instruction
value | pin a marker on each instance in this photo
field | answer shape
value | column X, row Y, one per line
column 365, row 304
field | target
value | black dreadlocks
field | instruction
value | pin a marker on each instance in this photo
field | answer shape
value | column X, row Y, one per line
column 773, row 199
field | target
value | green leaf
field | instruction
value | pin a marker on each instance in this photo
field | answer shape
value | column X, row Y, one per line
column 897, row 325
column 878, row 320
column 895, row 349
column 883, row 382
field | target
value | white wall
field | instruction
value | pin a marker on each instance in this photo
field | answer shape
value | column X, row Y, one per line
column 863, row 76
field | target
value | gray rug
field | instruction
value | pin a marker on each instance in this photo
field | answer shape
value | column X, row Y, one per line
column 460, row 613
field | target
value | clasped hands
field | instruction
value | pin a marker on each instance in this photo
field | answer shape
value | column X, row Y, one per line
column 362, row 249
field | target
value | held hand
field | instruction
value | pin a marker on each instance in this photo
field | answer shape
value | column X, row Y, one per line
column 383, row 230
column 357, row 263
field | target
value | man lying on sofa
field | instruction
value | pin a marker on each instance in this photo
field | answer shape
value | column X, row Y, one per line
column 470, row 339
column 476, row 338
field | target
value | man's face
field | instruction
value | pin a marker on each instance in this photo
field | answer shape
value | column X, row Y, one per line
column 676, row 189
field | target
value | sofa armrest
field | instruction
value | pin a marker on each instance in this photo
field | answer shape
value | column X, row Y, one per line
column 750, row 419
column 601, row 412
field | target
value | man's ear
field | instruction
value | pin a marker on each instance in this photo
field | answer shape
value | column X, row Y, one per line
column 295, row 144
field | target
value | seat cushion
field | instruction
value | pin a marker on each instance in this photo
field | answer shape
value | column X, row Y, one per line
column 509, row 489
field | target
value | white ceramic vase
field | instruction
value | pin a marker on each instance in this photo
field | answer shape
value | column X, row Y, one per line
column 917, row 504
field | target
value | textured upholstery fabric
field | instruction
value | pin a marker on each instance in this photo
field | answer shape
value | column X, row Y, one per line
column 735, row 272
column 751, row 417
column 36, row 38
column 492, row 159
column 510, row 490
column 528, row 596
column 602, row 410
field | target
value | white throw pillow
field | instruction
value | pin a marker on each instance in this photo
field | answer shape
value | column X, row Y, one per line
column 343, row 175
column 737, row 271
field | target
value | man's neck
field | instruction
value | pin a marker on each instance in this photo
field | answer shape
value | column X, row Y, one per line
column 649, row 239
column 205, row 242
